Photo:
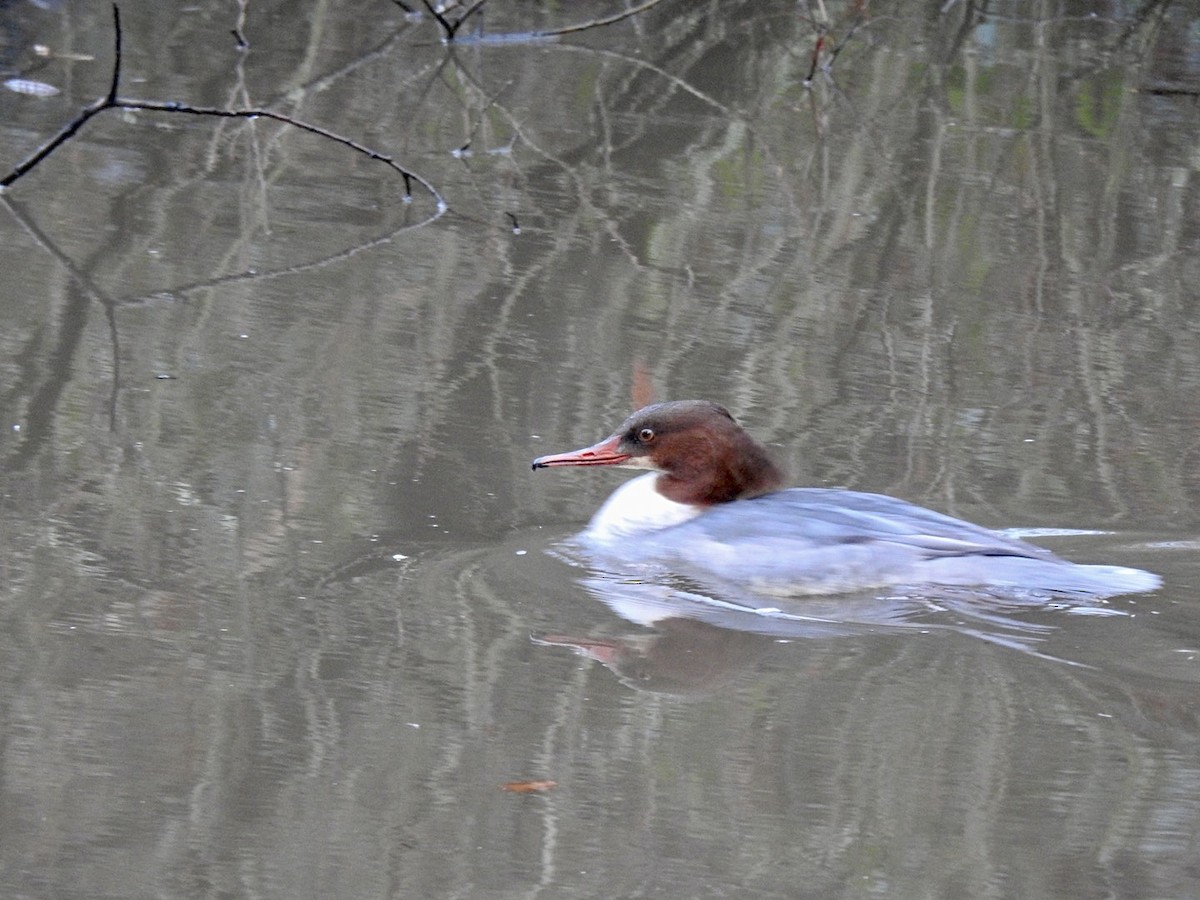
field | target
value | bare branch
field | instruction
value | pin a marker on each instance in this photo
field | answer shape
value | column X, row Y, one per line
column 113, row 101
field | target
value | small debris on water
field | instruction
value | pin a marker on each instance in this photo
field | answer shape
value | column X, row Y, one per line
column 31, row 88
column 529, row 787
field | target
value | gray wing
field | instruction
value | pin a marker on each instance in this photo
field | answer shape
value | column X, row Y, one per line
column 811, row 518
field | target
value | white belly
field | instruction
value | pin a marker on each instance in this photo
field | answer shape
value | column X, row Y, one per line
column 636, row 508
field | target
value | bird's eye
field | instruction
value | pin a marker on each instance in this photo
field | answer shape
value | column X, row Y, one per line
column 646, row 435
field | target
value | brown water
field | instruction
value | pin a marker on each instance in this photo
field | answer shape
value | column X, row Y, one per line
column 280, row 612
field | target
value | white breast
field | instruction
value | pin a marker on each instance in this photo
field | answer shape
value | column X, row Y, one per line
column 636, row 508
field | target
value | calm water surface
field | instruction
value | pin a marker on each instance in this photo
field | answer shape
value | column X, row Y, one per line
column 283, row 610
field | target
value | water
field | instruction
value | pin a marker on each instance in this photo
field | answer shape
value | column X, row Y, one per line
column 282, row 611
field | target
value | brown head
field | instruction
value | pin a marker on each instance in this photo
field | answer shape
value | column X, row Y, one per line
column 703, row 454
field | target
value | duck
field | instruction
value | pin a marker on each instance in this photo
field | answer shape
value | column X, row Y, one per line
column 713, row 506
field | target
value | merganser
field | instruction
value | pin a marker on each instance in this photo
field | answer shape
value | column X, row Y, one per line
column 713, row 507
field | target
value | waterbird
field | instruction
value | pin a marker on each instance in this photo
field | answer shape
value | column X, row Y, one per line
column 713, row 506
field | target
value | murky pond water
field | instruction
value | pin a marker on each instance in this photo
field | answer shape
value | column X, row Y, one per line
column 284, row 612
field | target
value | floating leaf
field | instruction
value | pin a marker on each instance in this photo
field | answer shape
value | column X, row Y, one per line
column 529, row 787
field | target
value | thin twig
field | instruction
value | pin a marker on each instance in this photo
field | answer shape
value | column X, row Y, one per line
column 116, row 72
column 451, row 28
column 53, row 144
column 596, row 23
column 239, row 27
column 541, row 35
column 859, row 21
column 175, row 107
column 447, row 27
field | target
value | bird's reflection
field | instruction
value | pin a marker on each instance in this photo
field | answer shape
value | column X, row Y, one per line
column 696, row 642
column 681, row 656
